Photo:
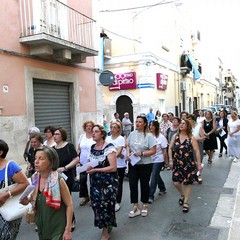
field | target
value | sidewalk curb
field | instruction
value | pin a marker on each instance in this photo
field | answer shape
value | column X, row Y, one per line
column 227, row 213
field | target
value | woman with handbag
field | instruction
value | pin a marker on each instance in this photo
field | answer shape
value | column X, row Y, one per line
column 68, row 159
column 9, row 229
column 51, row 199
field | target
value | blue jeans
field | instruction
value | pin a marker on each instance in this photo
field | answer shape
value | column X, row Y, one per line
column 156, row 180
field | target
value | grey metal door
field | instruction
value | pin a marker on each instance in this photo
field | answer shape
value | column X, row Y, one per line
column 52, row 104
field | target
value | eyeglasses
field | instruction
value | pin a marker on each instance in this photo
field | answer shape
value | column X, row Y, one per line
column 114, row 127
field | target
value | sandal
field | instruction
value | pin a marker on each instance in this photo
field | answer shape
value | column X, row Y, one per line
column 185, row 207
column 144, row 211
column 200, row 179
column 73, row 225
column 181, row 200
column 135, row 212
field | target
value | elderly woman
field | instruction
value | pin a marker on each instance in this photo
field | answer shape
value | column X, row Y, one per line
column 51, row 199
column 141, row 145
column 9, row 230
column 182, row 163
column 28, row 144
column 68, row 159
column 84, row 144
column 36, row 141
column 234, row 136
column 103, row 181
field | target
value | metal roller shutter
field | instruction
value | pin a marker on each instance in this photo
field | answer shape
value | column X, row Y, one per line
column 52, row 105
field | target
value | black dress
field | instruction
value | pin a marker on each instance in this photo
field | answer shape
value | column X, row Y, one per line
column 66, row 155
column 211, row 142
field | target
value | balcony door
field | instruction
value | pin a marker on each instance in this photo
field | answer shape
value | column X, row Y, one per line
column 50, row 17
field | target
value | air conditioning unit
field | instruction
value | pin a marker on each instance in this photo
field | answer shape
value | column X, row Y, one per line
column 183, row 86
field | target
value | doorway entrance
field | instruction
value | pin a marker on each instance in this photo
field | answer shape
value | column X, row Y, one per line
column 124, row 104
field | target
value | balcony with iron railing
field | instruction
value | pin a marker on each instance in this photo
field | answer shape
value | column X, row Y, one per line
column 54, row 29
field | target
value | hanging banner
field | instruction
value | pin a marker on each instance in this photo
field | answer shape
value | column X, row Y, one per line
column 124, row 81
column 162, row 81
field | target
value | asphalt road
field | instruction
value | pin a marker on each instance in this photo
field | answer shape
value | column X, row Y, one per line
column 165, row 220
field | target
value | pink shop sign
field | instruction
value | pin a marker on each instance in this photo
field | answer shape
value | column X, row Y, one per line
column 162, row 81
column 124, row 81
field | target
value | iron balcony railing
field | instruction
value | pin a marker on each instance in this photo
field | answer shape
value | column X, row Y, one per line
column 53, row 18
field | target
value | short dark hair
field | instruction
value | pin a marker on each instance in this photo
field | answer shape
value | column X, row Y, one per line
column 177, row 118
column 50, row 128
column 3, row 147
column 51, row 154
column 63, row 132
column 192, row 116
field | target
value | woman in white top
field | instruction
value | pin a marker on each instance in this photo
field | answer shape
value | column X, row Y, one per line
column 234, row 136
column 84, row 145
column 201, row 117
column 159, row 158
column 198, row 133
column 119, row 142
column 49, row 131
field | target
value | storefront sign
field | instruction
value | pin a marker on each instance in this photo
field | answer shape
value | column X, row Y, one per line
column 124, row 81
column 162, row 80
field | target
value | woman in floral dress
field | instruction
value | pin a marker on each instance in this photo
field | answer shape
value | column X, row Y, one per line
column 182, row 163
column 103, row 181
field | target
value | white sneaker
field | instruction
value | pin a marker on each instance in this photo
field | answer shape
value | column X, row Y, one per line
column 134, row 213
column 117, row 207
column 150, row 200
column 235, row 159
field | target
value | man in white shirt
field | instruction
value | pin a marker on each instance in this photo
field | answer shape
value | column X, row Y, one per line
column 127, row 124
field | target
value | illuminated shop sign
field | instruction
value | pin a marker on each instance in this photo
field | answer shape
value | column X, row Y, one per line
column 162, row 80
column 124, row 81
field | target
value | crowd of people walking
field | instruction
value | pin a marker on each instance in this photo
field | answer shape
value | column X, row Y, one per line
column 107, row 153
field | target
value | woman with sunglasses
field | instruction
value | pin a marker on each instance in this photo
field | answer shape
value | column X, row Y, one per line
column 182, row 162
column 141, row 145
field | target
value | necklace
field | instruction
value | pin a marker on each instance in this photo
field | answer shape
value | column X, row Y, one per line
column 99, row 148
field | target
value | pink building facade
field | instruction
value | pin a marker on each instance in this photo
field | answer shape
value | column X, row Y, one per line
column 47, row 68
